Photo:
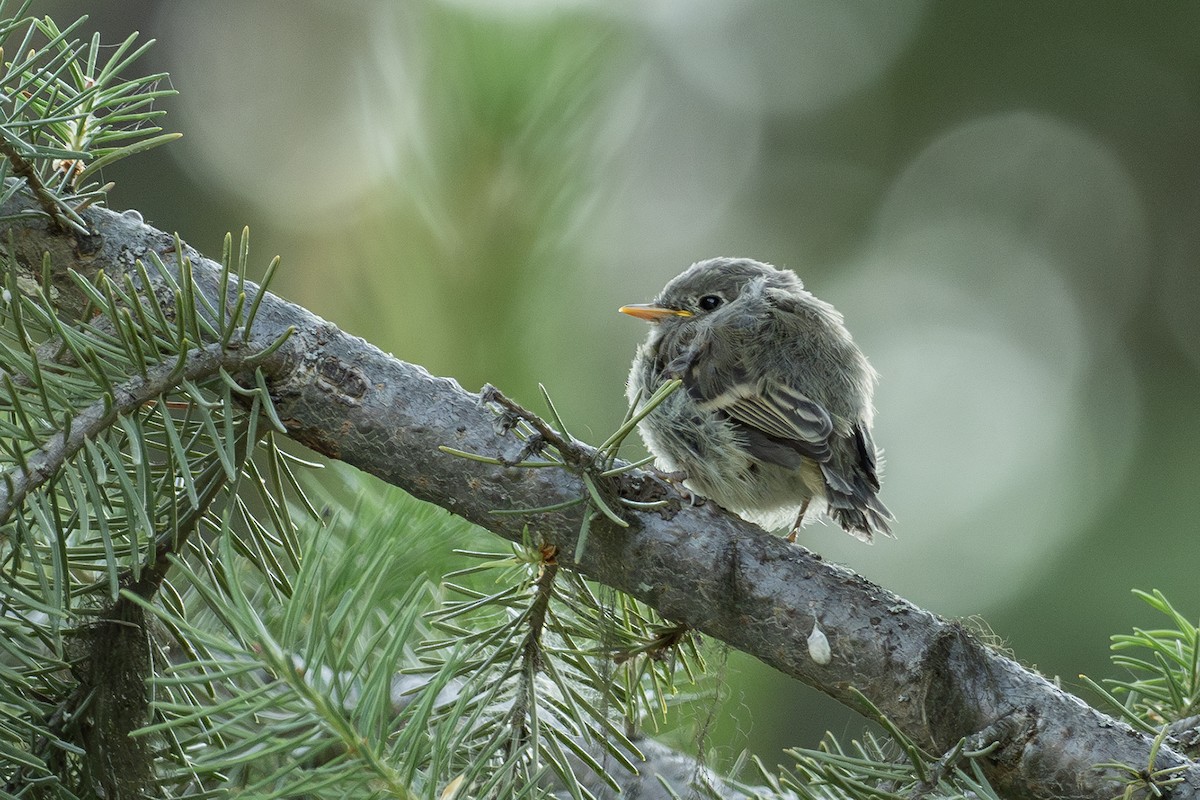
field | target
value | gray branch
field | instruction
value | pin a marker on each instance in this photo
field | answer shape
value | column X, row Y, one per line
column 345, row 398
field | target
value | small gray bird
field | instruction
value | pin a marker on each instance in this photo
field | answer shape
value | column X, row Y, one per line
column 774, row 415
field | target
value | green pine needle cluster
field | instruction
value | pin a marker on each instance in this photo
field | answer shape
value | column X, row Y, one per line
column 1164, row 669
column 68, row 110
column 126, row 444
column 1160, row 696
column 360, row 677
column 876, row 767
column 553, row 679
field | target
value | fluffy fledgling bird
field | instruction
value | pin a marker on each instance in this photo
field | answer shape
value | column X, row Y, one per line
column 773, row 420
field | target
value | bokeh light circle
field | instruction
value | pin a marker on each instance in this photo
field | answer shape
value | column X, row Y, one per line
column 984, row 356
column 782, row 55
column 1054, row 185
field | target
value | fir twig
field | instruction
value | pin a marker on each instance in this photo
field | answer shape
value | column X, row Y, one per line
column 531, row 652
column 48, row 201
column 125, row 398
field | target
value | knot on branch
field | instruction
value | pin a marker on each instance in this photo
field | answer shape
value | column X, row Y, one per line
column 958, row 685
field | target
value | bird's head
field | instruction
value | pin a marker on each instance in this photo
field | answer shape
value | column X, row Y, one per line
column 707, row 287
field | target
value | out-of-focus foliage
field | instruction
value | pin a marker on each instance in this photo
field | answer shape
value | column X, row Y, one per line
column 1001, row 198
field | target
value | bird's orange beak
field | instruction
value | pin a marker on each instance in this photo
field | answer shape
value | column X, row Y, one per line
column 652, row 313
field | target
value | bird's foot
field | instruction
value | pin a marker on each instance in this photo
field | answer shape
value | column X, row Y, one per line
column 791, row 537
column 675, row 481
column 657, row 488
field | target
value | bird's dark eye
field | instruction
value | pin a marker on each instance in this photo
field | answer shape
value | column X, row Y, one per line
column 710, row 301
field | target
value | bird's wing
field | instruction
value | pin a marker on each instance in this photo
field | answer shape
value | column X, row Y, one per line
column 776, row 410
column 781, row 423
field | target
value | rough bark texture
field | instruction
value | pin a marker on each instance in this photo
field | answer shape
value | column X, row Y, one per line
column 345, row 398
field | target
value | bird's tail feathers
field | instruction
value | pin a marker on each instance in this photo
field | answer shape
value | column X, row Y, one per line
column 851, row 501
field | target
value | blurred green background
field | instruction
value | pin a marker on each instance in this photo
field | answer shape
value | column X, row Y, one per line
column 1002, row 198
